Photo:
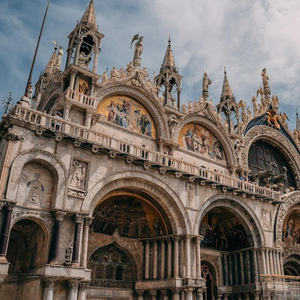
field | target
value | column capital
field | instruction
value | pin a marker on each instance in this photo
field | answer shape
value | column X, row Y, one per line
column 176, row 290
column 88, row 220
column 50, row 282
column 187, row 237
column 199, row 238
column 73, row 283
column 59, row 215
column 10, row 205
column 79, row 218
column 140, row 292
column 176, row 238
column 164, row 292
column 2, row 204
column 189, row 290
column 84, row 284
column 153, row 292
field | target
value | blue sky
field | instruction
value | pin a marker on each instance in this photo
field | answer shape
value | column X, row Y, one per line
column 245, row 36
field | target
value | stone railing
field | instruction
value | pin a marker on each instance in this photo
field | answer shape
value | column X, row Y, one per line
column 80, row 98
column 281, row 286
column 148, row 157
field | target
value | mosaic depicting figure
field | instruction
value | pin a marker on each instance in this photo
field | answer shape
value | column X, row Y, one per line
column 127, row 113
column 198, row 139
column 291, row 229
column 225, row 236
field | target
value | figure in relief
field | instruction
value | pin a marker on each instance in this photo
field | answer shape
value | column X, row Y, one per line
column 36, row 191
column 78, row 176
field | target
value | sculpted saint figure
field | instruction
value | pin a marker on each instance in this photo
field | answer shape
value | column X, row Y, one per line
column 265, row 78
column 139, row 47
column 206, row 82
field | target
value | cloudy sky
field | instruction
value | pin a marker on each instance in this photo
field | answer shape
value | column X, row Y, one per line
column 245, row 36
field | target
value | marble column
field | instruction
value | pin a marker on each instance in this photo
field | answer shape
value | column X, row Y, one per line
column 163, row 259
column 83, row 286
column 49, row 288
column 147, row 260
column 248, row 266
column 242, row 268
column 256, row 295
column 176, row 256
column 247, row 296
column 140, row 294
column 77, row 237
column 164, row 294
column 270, row 261
column 169, row 266
column 199, row 294
column 188, row 255
column 198, row 257
column 73, row 289
column 155, row 262
column 176, row 293
column 281, row 262
column 255, row 265
column 6, row 230
column 230, row 271
column 226, row 275
column 85, row 240
column 277, row 253
column 225, row 296
column 263, row 258
column 59, row 217
column 267, row 261
column 153, row 294
column 189, row 293
column 72, row 79
column 96, row 58
column 236, row 268
column 2, row 204
column 88, row 119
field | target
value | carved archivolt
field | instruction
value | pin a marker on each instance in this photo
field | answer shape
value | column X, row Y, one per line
column 215, row 130
column 146, row 101
column 270, row 134
column 291, row 200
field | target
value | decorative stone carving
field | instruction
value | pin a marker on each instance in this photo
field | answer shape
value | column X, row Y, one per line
column 36, row 191
column 266, row 218
column 10, row 136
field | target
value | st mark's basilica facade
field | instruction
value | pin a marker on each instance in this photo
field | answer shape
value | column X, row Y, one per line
column 111, row 188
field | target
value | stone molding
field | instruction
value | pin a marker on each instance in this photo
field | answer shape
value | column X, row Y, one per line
column 291, row 200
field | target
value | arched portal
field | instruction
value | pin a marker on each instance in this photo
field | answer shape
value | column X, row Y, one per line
column 228, row 243
column 291, row 265
column 132, row 215
column 27, row 248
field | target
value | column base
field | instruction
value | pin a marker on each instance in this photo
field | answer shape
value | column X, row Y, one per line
column 3, row 260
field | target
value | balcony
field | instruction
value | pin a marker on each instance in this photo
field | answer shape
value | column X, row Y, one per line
column 42, row 122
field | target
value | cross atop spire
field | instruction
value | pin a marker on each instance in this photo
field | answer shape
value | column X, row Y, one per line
column 226, row 90
column 169, row 62
column 89, row 17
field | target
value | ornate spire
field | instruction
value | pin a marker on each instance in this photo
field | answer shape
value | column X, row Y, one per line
column 226, row 90
column 169, row 62
column 89, row 17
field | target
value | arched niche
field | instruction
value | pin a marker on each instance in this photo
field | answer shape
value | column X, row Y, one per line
column 112, row 266
column 291, row 228
column 208, row 273
column 28, row 246
column 37, row 186
column 133, row 215
column 223, row 229
column 198, row 139
column 291, row 265
column 264, row 152
column 128, row 113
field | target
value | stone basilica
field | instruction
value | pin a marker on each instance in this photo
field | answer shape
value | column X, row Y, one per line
column 112, row 189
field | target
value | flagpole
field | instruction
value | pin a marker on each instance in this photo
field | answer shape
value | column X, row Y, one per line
column 36, row 50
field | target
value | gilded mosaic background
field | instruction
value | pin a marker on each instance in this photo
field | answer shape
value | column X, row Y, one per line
column 198, row 139
column 128, row 113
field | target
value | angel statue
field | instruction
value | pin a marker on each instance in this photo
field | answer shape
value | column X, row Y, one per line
column 265, row 78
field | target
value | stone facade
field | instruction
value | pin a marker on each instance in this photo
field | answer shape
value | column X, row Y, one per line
column 111, row 189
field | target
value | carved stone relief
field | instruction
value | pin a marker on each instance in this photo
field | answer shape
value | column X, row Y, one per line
column 78, row 179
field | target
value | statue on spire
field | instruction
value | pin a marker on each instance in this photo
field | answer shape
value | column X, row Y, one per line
column 138, row 50
column 205, row 84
